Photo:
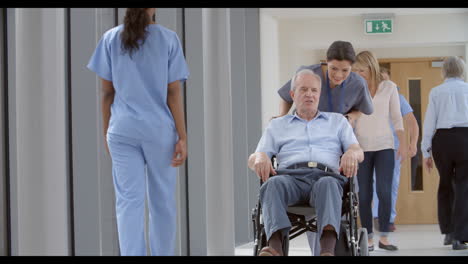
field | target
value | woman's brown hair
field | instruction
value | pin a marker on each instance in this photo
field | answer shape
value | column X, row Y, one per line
column 134, row 31
column 367, row 59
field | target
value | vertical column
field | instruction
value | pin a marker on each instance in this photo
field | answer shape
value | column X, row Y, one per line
column 94, row 207
column 210, row 178
column 240, row 115
column 3, row 141
column 11, row 126
column 220, row 112
column 246, row 113
column 270, row 67
column 218, row 133
column 196, row 133
column 254, row 101
column 39, row 193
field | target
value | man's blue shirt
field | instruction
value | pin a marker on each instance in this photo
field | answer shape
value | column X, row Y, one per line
column 447, row 108
column 292, row 139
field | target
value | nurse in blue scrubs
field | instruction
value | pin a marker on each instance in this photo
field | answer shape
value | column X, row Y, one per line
column 142, row 67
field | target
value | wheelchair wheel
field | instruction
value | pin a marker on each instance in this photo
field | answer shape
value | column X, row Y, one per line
column 342, row 247
column 286, row 246
column 259, row 231
column 261, row 242
column 363, row 247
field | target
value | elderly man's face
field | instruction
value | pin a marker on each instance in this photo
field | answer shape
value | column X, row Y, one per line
column 306, row 95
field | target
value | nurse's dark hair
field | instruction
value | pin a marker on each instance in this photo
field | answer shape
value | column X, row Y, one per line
column 134, row 31
column 341, row 50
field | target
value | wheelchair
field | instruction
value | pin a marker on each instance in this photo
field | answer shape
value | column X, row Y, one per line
column 352, row 240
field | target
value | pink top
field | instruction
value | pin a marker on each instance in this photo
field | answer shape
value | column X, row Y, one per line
column 373, row 131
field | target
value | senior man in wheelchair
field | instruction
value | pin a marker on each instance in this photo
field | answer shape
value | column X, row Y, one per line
column 308, row 146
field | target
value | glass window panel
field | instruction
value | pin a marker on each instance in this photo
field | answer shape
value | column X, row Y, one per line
column 416, row 161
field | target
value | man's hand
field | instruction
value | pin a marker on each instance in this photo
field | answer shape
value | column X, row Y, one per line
column 350, row 160
column 428, row 164
column 412, row 150
column 402, row 152
column 349, row 164
column 180, row 153
column 261, row 164
column 413, row 128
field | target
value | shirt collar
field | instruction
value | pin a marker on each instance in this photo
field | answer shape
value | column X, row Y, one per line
column 451, row 79
column 320, row 114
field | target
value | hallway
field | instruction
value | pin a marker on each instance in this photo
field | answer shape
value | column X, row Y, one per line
column 412, row 240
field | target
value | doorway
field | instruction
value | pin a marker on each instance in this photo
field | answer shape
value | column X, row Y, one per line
column 417, row 194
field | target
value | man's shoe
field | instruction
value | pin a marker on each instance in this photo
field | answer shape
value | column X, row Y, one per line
column 391, row 227
column 370, row 248
column 388, row 247
column 268, row 251
column 457, row 245
column 448, row 239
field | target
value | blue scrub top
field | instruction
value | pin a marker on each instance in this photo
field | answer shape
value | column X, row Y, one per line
column 405, row 109
column 141, row 82
column 352, row 94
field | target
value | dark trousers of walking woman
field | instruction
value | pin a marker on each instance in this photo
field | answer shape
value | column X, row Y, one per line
column 450, row 152
column 383, row 161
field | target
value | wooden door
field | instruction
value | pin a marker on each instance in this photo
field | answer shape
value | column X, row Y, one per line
column 417, row 195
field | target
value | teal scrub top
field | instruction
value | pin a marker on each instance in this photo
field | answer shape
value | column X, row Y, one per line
column 140, row 107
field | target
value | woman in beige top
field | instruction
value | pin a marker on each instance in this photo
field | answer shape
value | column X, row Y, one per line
column 376, row 139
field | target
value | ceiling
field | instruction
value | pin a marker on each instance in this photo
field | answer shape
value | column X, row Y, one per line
column 300, row 13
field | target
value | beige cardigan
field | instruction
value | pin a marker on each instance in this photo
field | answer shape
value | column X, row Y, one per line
column 373, row 131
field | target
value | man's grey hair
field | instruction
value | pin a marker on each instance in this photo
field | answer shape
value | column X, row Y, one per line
column 304, row 72
column 453, row 67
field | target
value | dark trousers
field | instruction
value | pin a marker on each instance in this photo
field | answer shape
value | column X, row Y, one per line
column 383, row 162
column 450, row 152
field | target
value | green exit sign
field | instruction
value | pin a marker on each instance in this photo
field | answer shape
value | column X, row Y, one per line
column 378, row 26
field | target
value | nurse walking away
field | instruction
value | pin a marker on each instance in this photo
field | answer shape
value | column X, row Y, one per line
column 142, row 66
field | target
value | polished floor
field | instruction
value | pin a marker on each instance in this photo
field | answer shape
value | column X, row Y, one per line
column 412, row 240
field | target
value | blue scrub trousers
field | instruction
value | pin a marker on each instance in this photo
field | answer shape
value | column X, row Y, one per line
column 143, row 168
